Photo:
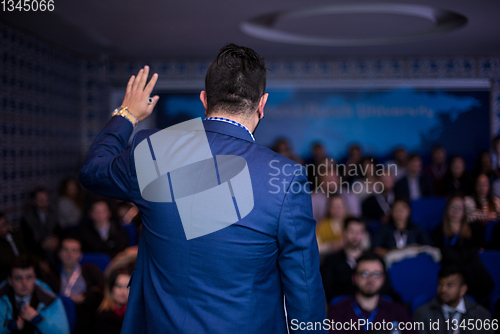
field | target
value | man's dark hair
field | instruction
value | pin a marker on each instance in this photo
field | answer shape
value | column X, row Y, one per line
column 235, row 81
column 21, row 262
column 70, row 237
column 369, row 256
column 414, row 156
column 352, row 220
column 449, row 270
column 37, row 190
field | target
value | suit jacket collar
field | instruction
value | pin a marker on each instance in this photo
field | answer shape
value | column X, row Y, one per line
column 227, row 129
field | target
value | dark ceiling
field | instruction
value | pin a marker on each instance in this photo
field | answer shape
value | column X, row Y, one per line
column 197, row 29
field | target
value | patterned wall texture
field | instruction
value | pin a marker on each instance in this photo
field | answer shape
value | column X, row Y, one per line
column 40, row 111
column 53, row 103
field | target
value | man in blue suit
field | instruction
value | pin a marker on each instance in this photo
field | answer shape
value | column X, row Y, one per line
column 253, row 275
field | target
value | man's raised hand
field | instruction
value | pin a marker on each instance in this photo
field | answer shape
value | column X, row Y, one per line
column 138, row 93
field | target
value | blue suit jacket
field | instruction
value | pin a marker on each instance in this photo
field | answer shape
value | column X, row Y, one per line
column 232, row 280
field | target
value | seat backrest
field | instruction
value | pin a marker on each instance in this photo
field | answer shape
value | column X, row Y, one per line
column 427, row 212
column 491, row 260
column 412, row 277
column 99, row 259
column 69, row 307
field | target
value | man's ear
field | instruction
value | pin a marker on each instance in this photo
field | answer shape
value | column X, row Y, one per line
column 203, row 98
column 262, row 104
column 463, row 290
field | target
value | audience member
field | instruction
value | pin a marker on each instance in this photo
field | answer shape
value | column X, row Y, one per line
column 415, row 184
column 450, row 307
column 27, row 305
column 456, row 180
column 329, row 231
column 329, row 184
column 69, row 203
column 397, row 166
column 367, row 303
column 437, row 169
column 484, row 165
column 378, row 205
column 482, row 207
column 317, row 156
column 40, row 227
column 459, row 247
column 353, row 163
column 110, row 314
column 103, row 235
column 495, row 153
column 83, row 284
column 283, row 147
column 400, row 232
column 11, row 245
column 337, row 268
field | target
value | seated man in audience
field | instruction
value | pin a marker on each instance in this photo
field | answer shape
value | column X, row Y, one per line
column 103, row 235
column 437, row 169
column 451, row 305
column 83, row 284
column 337, row 269
column 415, row 184
column 367, row 303
column 26, row 306
column 40, row 227
column 11, row 245
column 378, row 205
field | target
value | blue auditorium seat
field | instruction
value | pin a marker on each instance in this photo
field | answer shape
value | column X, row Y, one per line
column 413, row 277
column 491, row 260
column 69, row 306
column 427, row 212
column 132, row 233
column 99, row 259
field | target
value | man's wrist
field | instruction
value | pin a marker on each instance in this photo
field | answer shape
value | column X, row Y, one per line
column 125, row 113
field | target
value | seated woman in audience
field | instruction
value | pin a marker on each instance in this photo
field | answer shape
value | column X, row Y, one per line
column 482, row 207
column 459, row 247
column 329, row 231
column 457, row 180
column 455, row 231
column 484, row 165
column 109, row 317
column 400, row 232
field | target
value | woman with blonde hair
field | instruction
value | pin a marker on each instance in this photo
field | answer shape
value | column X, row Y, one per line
column 110, row 314
column 330, row 230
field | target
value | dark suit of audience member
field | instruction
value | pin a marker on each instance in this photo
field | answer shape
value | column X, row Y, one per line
column 40, row 228
column 108, row 322
column 11, row 245
column 116, row 241
column 415, row 184
column 495, row 238
column 450, row 304
column 102, row 235
column 423, row 187
column 377, row 206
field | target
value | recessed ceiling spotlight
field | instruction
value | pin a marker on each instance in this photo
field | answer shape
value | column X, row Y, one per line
column 264, row 26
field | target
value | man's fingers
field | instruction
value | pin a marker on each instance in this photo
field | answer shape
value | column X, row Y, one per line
column 130, row 83
column 137, row 79
column 144, row 78
column 151, row 84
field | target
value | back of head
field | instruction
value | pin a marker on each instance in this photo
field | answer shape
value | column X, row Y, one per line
column 235, row 81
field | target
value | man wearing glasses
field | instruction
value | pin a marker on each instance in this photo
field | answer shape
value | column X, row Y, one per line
column 367, row 309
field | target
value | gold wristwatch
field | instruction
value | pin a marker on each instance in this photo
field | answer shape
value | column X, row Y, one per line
column 124, row 112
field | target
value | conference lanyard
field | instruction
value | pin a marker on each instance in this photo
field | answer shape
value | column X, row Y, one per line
column 452, row 242
column 360, row 315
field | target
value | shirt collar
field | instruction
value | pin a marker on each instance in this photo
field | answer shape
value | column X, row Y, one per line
column 221, row 119
column 460, row 307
